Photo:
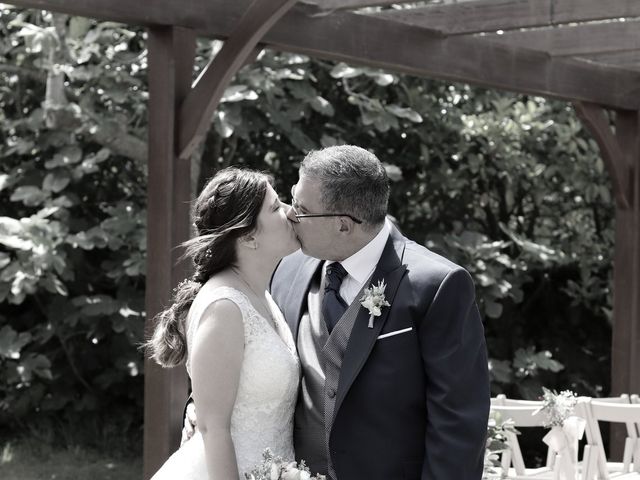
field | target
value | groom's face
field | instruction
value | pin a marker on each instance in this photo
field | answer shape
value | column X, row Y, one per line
column 317, row 235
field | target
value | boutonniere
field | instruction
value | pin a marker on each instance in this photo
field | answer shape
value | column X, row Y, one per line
column 373, row 300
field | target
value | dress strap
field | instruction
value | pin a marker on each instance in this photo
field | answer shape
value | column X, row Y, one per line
column 202, row 301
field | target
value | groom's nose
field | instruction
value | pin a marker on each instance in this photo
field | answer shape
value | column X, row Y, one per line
column 291, row 214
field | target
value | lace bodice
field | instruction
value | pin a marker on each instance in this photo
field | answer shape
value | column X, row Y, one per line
column 263, row 413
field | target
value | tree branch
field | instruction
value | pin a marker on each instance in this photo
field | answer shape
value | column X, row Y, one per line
column 55, row 99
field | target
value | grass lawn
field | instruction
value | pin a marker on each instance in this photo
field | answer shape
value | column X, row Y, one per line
column 25, row 459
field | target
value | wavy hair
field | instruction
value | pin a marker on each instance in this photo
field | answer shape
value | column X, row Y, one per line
column 226, row 210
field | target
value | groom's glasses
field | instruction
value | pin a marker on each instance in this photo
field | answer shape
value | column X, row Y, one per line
column 296, row 209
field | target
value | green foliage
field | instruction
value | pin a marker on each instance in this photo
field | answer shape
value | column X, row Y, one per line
column 497, row 444
column 72, row 188
column 509, row 186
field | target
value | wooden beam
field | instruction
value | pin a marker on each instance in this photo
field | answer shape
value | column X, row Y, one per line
column 629, row 60
column 171, row 56
column 354, row 4
column 195, row 113
column 566, row 11
column 364, row 39
column 148, row 13
column 473, row 17
column 492, row 15
column 581, row 39
column 595, row 119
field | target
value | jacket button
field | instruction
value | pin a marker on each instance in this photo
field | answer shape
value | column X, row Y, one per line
column 331, row 393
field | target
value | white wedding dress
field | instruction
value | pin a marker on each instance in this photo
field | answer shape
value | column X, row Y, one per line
column 263, row 412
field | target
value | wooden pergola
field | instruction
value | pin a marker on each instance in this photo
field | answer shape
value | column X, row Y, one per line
column 583, row 51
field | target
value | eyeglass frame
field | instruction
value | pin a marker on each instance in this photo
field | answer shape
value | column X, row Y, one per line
column 317, row 215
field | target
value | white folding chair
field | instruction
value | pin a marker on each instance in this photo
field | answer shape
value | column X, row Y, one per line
column 502, row 400
column 522, row 415
column 605, row 469
column 612, row 411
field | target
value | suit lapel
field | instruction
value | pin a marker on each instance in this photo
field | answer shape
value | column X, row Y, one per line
column 362, row 338
column 297, row 297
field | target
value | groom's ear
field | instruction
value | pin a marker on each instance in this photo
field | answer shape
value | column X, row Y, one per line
column 345, row 225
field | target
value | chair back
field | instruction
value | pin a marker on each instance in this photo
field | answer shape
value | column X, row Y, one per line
column 502, row 400
column 612, row 410
column 522, row 416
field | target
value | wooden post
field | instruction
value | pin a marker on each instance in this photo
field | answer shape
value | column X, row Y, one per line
column 621, row 154
column 625, row 369
column 179, row 116
column 628, row 133
column 171, row 57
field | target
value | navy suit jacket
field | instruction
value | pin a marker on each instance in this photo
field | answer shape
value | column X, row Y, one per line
column 413, row 405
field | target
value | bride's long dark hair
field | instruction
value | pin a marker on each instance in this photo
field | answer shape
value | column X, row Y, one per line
column 226, row 210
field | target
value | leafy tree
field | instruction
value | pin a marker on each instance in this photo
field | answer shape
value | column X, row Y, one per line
column 73, row 231
column 507, row 185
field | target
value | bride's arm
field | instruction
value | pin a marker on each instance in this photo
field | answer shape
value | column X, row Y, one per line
column 218, row 348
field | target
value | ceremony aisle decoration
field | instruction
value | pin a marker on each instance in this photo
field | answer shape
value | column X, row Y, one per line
column 566, row 430
column 276, row 468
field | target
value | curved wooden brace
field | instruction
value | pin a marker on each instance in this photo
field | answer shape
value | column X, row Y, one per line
column 594, row 118
column 198, row 107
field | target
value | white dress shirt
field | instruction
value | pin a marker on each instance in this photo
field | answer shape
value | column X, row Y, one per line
column 360, row 265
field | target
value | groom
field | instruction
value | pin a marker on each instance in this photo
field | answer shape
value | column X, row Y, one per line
column 399, row 395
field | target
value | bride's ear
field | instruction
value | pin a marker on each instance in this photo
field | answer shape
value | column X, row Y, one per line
column 248, row 241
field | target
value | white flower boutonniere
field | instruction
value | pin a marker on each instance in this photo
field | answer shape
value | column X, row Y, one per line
column 373, row 300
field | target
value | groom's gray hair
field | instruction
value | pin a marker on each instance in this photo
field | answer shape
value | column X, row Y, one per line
column 353, row 181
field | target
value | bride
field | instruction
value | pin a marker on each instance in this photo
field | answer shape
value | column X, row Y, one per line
column 238, row 350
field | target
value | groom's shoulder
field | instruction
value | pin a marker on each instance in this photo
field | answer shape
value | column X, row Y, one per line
column 293, row 262
column 289, row 266
column 428, row 270
column 424, row 263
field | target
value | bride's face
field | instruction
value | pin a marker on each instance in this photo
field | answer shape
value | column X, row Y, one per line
column 275, row 234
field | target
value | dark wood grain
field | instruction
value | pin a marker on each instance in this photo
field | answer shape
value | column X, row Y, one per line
column 171, row 54
column 367, row 40
column 492, row 15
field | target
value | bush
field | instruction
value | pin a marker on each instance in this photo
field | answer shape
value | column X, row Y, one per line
column 509, row 186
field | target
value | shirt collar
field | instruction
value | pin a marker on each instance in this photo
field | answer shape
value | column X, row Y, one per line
column 361, row 264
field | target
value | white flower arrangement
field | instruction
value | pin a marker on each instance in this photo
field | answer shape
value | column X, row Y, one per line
column 373, row 300
column 557, row 406
column 565, row 431
column 276, row 468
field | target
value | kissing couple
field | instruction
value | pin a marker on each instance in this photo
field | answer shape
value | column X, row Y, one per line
column 319, row 331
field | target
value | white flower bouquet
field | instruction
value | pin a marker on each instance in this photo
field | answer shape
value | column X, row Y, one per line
column 276, row 468
column 557, row 407
column 566, row 430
